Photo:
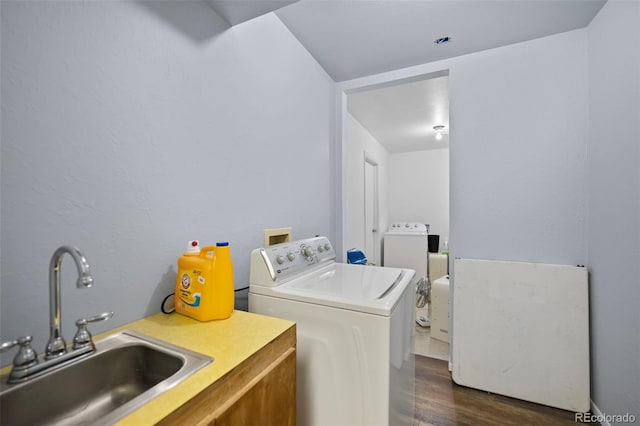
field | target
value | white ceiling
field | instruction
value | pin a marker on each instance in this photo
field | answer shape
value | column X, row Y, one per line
column 356, row 38
column 402, row 117
column 236, row 11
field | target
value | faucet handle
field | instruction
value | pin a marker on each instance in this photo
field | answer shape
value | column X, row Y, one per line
column 83, row 337
column 26, row 356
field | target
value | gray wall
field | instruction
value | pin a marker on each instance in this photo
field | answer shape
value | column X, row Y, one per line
column 129, row 128
column 518, row 162
column 545, row 167
column 614, row 206
column 518, row 152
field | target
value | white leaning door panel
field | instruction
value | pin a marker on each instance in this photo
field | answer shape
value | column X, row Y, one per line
column 522, row 330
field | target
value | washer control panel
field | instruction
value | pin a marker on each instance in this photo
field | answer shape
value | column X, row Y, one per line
column 284, row 260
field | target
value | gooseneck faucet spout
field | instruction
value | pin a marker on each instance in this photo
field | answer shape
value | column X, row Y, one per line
column 57, row 346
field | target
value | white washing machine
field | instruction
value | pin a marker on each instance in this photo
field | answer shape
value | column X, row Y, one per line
column 406, row 245
column 354, row 325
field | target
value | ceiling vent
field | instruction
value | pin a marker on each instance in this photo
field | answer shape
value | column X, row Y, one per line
column 442, row 40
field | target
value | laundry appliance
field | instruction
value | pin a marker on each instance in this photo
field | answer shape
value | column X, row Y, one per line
column 406, row 245
column 354, row 327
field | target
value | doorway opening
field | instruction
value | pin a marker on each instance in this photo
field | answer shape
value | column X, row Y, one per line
column 401, row 129
column 371, row 197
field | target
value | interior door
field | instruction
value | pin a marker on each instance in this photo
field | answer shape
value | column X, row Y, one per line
column 371, row 239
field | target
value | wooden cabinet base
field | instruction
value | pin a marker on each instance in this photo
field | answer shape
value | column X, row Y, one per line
column 260, row 391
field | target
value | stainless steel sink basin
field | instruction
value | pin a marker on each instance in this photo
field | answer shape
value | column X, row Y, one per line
column 127, row 370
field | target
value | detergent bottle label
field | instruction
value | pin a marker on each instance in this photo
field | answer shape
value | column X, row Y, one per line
column 188, row 290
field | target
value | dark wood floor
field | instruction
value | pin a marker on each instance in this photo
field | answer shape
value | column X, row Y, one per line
column 439, row 401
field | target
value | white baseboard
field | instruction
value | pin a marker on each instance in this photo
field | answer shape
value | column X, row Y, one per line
column 596, row 412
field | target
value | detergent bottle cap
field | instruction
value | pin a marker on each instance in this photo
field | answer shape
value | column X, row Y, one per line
column 222, row 243
column 193, row 248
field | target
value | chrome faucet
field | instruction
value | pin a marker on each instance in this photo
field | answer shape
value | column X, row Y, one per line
column 26, row 364
column 57, row 346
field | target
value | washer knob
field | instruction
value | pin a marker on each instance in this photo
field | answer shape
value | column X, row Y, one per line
column 327, row 247
column 291, row 256
column 306, row 251
column 320, row 248
column 280, row 260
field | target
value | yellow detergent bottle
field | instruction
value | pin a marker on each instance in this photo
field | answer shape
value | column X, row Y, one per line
column 223, row 291
column 204, row 284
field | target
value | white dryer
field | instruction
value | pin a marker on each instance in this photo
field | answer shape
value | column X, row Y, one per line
column 354, row 326
column 406, row 245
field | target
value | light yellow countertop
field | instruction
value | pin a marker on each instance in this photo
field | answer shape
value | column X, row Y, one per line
column 229, row 342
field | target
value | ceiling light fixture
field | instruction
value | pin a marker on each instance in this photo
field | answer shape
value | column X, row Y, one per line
column 438, row 129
